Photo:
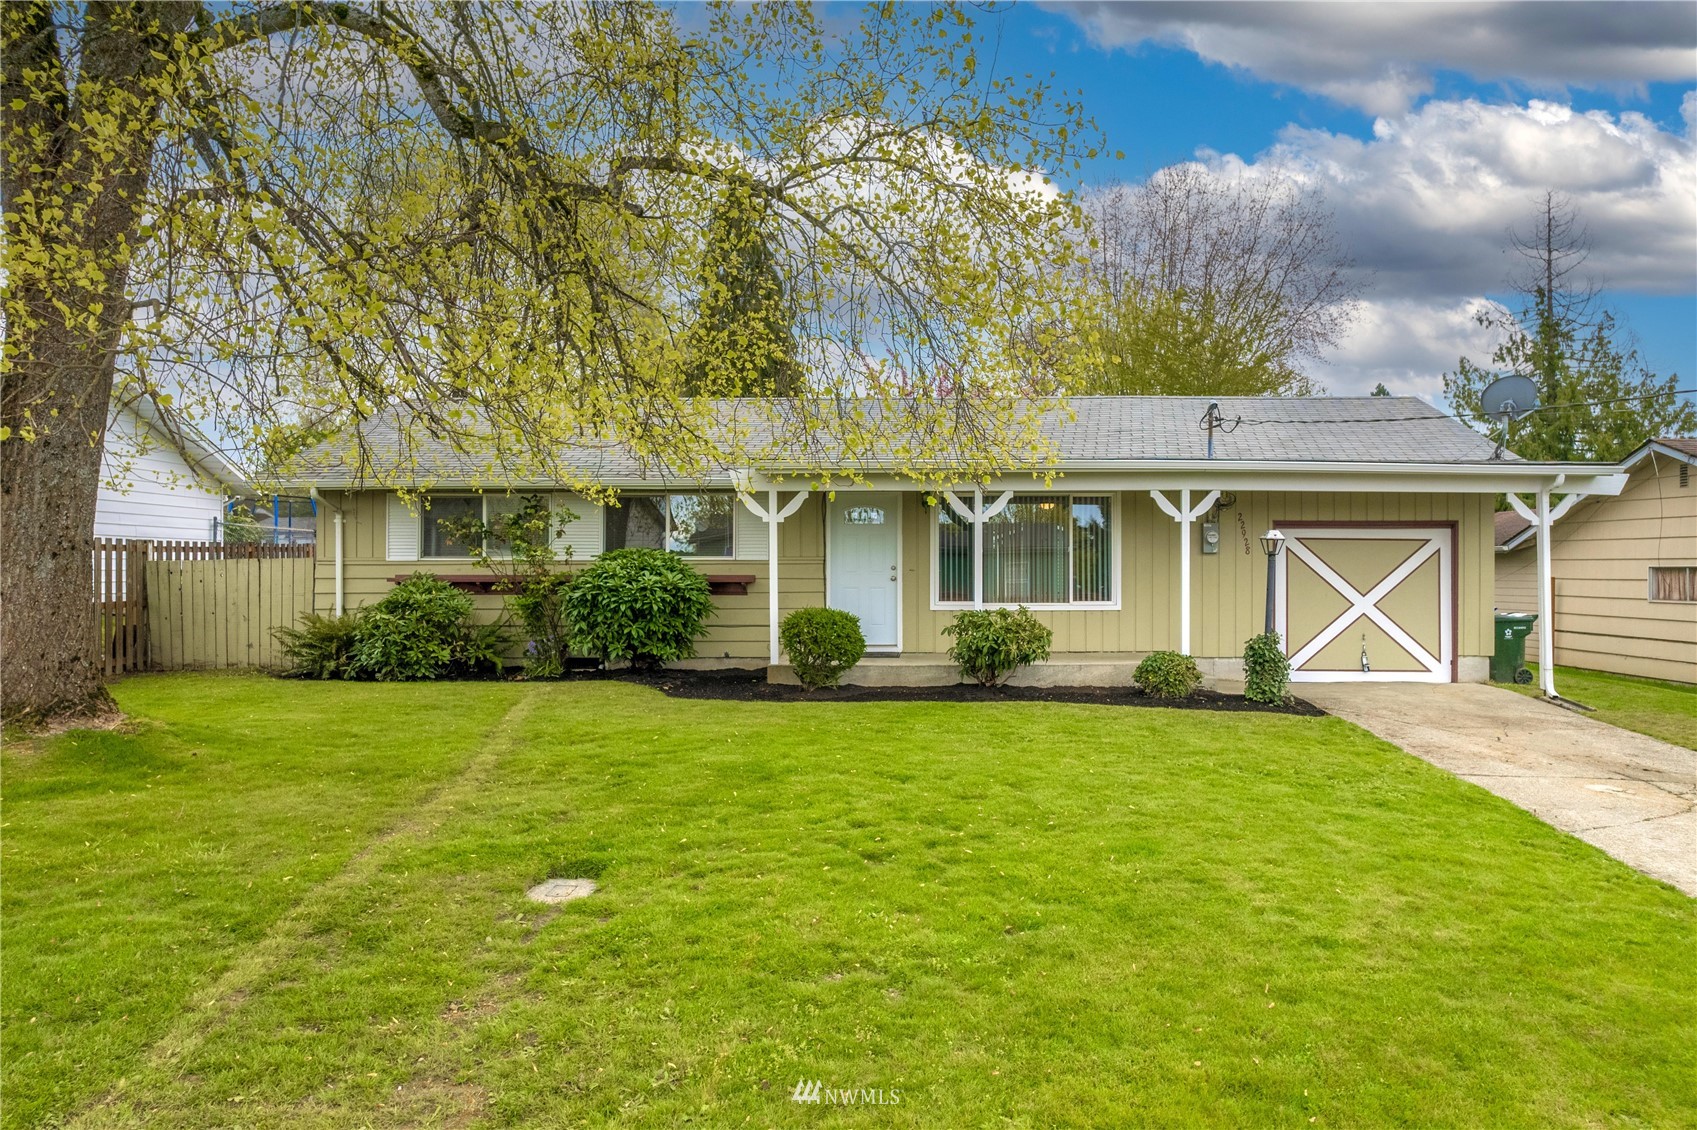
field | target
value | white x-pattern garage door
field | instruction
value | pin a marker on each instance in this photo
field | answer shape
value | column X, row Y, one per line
column 1360, row 604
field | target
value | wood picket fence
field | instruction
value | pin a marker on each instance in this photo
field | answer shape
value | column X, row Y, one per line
column 178, row 605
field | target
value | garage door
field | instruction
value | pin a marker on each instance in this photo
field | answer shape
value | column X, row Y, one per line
column 1367, row 604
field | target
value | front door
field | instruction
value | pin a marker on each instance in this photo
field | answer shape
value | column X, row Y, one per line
column 862, row 563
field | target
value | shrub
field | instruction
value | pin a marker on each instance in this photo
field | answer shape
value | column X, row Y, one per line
column 642, row 605
column 540, row 604
column 1266, row 670
column 524, row 571
column 1167, row 674
column 991, row 643
column 323, row 646
column 823, row 643
column 423, row 630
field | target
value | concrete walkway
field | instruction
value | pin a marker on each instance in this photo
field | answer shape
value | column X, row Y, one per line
column 1628, row 794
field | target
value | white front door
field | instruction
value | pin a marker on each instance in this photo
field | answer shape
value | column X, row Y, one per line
column 863, row 563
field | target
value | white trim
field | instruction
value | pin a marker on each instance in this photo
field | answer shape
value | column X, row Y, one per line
column 901, row 568
column 1439, row 543
column 1184, row 514
column 1116, row 567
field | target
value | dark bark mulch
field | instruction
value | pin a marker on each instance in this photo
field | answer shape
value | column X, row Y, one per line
column 745, row 685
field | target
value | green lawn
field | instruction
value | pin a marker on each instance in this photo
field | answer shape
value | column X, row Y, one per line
column 287, row 904
column 1649, row 706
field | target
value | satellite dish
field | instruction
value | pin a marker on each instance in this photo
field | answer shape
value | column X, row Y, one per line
column 1509, row 398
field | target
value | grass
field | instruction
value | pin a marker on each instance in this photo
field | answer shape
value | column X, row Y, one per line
column 289, row 904
column 1649, row 706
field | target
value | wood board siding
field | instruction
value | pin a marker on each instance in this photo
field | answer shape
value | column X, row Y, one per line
column 738, row 630
column 1228, row 588
column 148, row 491
column 1600, row 560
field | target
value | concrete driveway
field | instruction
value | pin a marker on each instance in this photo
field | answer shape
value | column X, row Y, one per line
column 1628, row 794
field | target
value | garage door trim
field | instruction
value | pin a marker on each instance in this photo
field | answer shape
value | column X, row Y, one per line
column 1449, row 590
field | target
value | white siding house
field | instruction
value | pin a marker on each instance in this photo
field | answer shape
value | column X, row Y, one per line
column 160, row 480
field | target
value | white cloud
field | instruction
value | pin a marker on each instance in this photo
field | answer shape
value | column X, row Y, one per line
column 1426, row 204
column 1381, row 57
column 1408, row 344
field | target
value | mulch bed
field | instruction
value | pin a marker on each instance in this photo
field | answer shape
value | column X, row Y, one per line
column 745, row 685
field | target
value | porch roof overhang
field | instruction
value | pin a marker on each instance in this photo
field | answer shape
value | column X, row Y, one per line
column 1269, row 475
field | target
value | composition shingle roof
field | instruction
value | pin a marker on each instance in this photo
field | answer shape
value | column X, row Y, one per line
column 1680, row 443
column 1510, row 525
column 1126, row 430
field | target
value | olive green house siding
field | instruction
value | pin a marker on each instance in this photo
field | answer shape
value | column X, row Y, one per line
column 1385, row 507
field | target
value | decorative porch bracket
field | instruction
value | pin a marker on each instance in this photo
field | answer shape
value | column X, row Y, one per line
column 978, row 514
column 774, row 517
column 1184, row 514
column 1541, row 520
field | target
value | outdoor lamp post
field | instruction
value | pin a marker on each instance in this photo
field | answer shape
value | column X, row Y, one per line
column 1271, row 543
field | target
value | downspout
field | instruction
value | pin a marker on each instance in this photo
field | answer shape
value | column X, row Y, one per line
column 336, row 520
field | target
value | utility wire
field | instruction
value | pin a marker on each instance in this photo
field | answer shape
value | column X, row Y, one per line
column 1466, row 416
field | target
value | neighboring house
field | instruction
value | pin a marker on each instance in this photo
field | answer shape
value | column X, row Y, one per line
column 160, row 479
column 1625, row 570
column 1386, row 506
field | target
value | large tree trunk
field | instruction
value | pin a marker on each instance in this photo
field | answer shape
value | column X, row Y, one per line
column 77, row 187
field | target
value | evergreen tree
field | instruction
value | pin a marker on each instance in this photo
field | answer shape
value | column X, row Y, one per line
column 1598, row 400
column 743, row 340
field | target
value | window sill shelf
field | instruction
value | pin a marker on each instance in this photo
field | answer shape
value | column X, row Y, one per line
column 719, row 584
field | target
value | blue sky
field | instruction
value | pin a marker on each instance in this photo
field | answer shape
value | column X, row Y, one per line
column 1429, row 130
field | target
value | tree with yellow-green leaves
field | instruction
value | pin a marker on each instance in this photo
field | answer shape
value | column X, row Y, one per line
column 491, row 224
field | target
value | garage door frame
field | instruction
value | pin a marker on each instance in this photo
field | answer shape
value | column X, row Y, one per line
column 1449, row 589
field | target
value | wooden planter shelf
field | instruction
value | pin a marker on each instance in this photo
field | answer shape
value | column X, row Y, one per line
column 720, row 584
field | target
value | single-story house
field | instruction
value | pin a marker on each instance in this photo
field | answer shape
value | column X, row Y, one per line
column 1624, row 569
column 160, row 478
column 1149, row 537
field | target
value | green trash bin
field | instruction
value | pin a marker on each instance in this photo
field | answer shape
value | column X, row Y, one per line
column 1508, row 661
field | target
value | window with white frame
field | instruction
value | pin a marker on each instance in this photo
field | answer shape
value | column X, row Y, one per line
column 1677, row 583
column 1042, row 549
column 694, row 524
column 440, row 518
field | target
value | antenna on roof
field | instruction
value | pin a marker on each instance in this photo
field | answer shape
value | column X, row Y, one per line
column 1506, row 400
column 1213, row 418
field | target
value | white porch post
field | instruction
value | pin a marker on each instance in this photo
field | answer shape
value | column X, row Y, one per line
column 1184, row 514
column 978, row 547
column 772, row 521
column 1546, row 600
column 773, row 517
column 1184, row 573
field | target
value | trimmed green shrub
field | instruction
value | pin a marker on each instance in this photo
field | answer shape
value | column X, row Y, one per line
column 646, row 606
column 1266, row 670
column 423, row 630
column 1167, row 674
column 990, row 644
column 822, row 644
column 323, row 646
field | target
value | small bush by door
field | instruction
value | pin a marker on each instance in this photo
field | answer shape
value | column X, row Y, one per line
column 822, row 644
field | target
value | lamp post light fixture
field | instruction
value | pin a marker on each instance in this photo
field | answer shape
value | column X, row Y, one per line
column 1271, row 543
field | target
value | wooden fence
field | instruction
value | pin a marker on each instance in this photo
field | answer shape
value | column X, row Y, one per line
column 121, row 597
column 173, row 605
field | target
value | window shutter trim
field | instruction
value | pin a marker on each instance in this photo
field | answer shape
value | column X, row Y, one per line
column 584, row 538
column 401, row 531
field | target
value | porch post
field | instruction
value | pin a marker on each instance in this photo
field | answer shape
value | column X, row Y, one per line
column 1184, row 573
column 978, row 547
column 772, row 521
column 1546, row 600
